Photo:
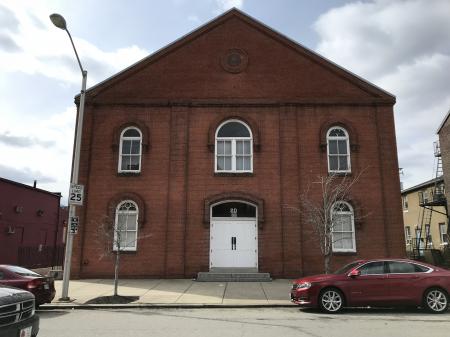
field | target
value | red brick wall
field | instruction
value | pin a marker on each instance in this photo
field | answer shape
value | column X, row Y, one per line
column 290, row 96
column 444, row 141
column 30, row 227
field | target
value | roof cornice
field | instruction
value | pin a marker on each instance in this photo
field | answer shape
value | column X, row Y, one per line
column 12, row 182
column 420, row 186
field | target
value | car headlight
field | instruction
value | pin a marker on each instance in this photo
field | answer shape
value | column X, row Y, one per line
column 303, row 285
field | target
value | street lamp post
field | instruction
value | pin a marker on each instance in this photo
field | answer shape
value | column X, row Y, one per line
column 60, row 22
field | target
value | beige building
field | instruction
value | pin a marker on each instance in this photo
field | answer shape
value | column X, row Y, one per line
column 425, row 220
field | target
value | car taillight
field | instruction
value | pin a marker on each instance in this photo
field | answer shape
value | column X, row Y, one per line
column 34, row 283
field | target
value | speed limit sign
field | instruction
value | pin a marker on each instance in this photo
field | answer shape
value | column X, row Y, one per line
column 76, row 194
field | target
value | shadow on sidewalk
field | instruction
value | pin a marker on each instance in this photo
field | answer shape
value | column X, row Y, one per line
column 113, row 300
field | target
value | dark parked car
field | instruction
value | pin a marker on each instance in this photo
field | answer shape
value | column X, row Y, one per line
column 382, row 283
column 43, row 288
column 17, row 317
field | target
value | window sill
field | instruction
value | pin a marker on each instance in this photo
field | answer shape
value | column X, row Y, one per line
column 233, row 174
column 344, row 253
column 340, row 174
column 128, row 252
column 128, row 174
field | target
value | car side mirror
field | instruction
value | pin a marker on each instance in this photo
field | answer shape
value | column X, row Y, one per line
column 354, row 273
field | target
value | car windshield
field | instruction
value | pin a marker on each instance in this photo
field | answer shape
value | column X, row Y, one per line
column 21, row 271
column 345, row 269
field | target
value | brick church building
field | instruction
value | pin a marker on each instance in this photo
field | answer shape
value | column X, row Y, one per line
column 201, row 152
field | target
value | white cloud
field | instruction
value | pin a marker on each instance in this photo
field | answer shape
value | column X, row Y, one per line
column 377, row 36
column 52, row 164
column 23, row 141
column 30, row 44
column 403, row 47
column 44, row 49
column 25, row 175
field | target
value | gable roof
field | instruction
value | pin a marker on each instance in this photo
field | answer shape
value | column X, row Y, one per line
column 420, row 186
column 236, row 13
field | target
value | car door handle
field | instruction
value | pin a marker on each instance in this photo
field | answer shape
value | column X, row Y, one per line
column 233, row 243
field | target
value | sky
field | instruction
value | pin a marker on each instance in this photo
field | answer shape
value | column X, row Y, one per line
column 402, row 46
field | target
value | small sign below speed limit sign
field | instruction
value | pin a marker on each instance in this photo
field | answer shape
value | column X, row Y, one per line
column 76, row 194
column 73, row 226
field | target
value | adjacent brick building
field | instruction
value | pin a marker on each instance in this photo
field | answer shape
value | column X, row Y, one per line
column 203, row 149
column 444, row 151
column 31, row 225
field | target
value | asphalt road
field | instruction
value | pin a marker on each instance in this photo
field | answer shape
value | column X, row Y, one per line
column 261, row 322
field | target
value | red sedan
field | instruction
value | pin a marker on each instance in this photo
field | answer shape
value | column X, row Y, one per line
column 376, row 283
column 43, row 288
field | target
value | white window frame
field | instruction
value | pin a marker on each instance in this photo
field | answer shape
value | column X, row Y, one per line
column 405, row 203
column 136, row 212
column 347, row 140
column 428, row 236
column 418, row 233
column 233, row 148
column 442, row 232
column 426, row 196
column 352, row 214
column 423, row 196
column 408, row 237
column 122, row 139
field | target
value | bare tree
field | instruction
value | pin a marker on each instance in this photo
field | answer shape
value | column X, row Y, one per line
column 115, row 238
column 319, row 212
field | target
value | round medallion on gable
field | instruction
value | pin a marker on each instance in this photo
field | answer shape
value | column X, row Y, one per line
column 234, row 61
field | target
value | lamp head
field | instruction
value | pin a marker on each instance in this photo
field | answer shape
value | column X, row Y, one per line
column 59, row 21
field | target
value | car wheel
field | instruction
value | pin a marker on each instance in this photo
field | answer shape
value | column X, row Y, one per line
column 435, row 300
column 331, row 300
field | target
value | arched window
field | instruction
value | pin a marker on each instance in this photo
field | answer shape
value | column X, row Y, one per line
column 234, row 147
column 343, row 229
column 126, row 226
column 130, row 150
column 338, row 150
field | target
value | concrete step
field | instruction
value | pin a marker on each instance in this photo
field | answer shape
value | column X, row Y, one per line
column 233, row 270
column 233, row 277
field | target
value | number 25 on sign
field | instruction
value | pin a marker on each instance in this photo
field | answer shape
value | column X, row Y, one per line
column 76, row 194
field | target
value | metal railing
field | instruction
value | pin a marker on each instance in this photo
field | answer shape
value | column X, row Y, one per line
column 41, row 257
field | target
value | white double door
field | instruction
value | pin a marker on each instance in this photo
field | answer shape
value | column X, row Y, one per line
column 233, row 244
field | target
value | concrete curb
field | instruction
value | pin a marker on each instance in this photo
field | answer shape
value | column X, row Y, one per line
column 50, row 307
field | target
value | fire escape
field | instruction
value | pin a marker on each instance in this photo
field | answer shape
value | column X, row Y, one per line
column 428, row 201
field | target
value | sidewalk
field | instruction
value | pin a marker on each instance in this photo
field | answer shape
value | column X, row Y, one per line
column 176, row 293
